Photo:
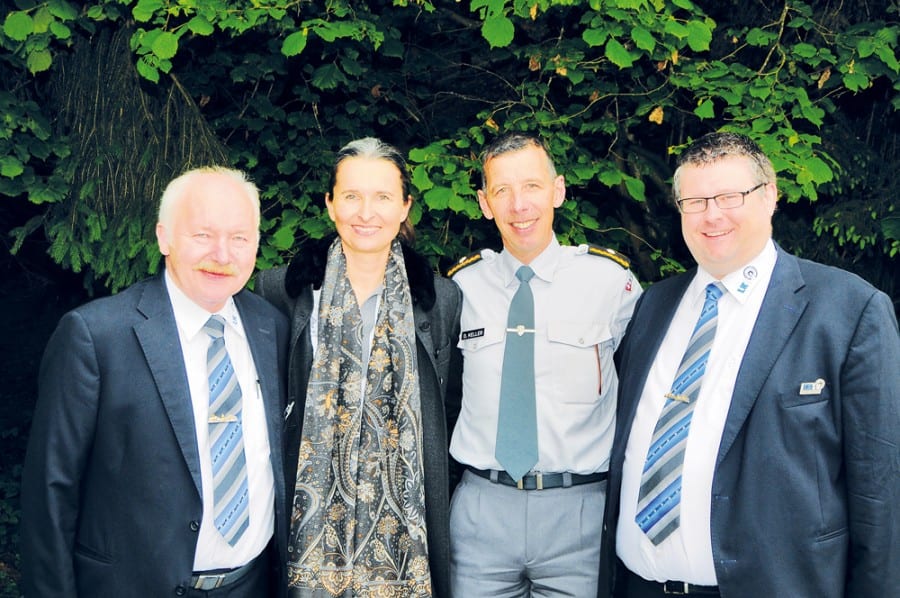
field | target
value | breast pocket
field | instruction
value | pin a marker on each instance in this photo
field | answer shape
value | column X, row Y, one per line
column 581, row 353
column 482, row 339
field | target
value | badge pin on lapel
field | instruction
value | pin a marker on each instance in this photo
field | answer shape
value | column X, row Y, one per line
column 812, row 388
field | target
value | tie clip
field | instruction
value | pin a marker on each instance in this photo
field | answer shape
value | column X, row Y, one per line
column 215, row 418
column 520, row 329
column 678, row 397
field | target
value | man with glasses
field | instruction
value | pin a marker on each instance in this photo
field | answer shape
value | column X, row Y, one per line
column 758, row 425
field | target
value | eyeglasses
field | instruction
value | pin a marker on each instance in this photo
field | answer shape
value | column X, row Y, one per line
column 724, row 201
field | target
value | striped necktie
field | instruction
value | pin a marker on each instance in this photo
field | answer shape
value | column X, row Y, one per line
column 226, row 438
column 516, row 448
column 659, row 497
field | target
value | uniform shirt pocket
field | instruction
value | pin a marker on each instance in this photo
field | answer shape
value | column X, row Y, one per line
column 581, row 353
column 481, row 339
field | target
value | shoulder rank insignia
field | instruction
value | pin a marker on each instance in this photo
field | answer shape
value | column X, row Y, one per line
column 609, row 254
column 463, row 263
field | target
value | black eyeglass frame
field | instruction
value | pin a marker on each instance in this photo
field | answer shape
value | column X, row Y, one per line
column 716, row 198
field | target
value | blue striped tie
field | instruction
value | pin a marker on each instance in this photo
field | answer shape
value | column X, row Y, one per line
column 517, row 449
column 226, row 438
column 659, row 498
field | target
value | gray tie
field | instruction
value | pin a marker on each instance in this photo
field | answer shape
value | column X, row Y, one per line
column 226, row 438
column 516, row 448
column 659, row 498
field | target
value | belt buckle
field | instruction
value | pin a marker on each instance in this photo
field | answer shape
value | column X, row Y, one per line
column 676, row 591
column 538, row 481
column 208, row 582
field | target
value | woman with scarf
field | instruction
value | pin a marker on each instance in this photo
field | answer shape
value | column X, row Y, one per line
column 373, row 330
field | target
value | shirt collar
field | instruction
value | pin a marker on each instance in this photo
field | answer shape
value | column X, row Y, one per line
column 741, row 283
column 191, row 318
column 544, row 265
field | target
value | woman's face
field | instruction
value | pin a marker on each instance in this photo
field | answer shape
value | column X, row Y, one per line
column 367, row 205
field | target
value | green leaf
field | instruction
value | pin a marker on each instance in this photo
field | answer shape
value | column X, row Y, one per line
column 165, row 45
column 856, row 81
column 200, row 26
column 63, row 10
column 699, row 36
column 147, row 69
column 705, row 109
column 60, row 30
column 819, row 170
column 328, row 76
column 42, row 20
column 676, row 29
column 18, row 25
column 294, row 43
column 618, row 54
column 865, row 47
column 39, row 61
column 886, row 54
column 805, row 50
column 145, row 9
column 438, row 198
column 595, row 37
column 636, row 188
column 643, row 39
column 10, row 166
column 283, row 237
column 498, row 31
column 420, row 178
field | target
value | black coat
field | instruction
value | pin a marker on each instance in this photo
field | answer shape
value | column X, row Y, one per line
column 436, row 308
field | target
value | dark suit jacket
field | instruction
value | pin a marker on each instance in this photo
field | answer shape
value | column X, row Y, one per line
column 806, row 491
column 436, row 308
column 111, row 498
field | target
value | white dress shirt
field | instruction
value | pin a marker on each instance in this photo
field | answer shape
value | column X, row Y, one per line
column 582, row 305
column 213, row 551
column 686, row 555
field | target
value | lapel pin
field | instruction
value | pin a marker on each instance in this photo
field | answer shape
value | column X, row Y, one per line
column 812, row 388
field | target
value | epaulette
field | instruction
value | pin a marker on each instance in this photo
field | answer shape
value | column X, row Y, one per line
column 463, row 263
column 611, row 254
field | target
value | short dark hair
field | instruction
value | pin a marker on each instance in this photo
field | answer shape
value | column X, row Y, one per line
column 713, row 147
column 512, row 142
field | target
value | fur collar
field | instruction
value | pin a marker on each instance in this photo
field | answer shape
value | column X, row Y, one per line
column 308, row 268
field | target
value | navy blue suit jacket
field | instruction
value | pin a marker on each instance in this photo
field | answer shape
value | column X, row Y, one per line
column 806, row 490
column 111, row 494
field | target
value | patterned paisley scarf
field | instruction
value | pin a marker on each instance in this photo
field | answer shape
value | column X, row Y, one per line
column 358, row 524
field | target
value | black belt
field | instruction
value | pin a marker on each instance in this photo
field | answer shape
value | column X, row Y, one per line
column 211, row 581
column 642, row 587
column 683, row 588
column 539, row 481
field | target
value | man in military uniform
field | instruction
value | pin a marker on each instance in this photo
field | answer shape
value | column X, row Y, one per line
column 540, row 323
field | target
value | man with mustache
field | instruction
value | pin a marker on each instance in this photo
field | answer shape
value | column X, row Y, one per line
column 154, row 466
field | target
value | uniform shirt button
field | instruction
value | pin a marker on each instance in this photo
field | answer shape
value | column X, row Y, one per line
column 180, row 591
column 195, row 526
column 425, row 326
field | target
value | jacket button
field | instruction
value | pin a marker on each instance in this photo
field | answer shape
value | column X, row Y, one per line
column 425, row 326
column 180, row 591
column 195, row 526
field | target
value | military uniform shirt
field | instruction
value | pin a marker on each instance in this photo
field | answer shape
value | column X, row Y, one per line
column 583, row 303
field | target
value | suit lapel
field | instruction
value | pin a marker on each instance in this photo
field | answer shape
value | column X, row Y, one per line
column 646, row 333
column 261, row 336
column 781, row 309
column 158, row 337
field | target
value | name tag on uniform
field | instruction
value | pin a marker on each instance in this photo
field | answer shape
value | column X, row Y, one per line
column 467, row 334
